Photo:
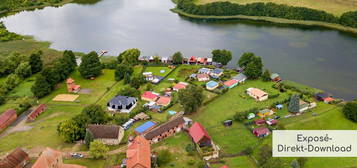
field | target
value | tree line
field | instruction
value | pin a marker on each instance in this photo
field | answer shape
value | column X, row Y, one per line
column 8, row 5
column 266, row 9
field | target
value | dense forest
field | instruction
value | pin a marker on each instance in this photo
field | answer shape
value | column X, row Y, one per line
column 266, row 9
column 9, row 5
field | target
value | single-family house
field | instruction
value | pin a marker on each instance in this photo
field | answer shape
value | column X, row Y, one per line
column 275, row 77
column 143, row 128
column 36, row 112
column 259, row 121
column 139, row 153
column 7, row 118
column 193, row 76
column 204, row 71
column 216, row 73
column 192, row 60
column 165, row 130
column 107, row 134
column 211, row 85
column 72, row 87
column 257, row 94
column 230, row 83
column 50, row 158
column 265, row 113
column 203, row 77
column 149, row 96
column 165, row 60
column 163, row 101
column 209, row 61
column 325, row 97
column 16, row 159
column 199, row 135
column 179, row 86
column 122, row 104
column 261, row 132
column 202, row 60
column 240, row 78
column 272, row 122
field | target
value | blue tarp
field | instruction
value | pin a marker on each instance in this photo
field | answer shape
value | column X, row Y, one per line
column 142, row 128
column 172, row 112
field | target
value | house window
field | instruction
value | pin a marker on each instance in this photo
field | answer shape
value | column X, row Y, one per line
column 113, row 106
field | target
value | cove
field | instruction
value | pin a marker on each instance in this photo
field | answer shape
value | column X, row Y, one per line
column 321, row 58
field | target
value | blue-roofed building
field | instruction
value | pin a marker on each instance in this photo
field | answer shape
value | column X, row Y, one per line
column 204, row 71
column 145, row 127
column 211, row 85
column 216, row 73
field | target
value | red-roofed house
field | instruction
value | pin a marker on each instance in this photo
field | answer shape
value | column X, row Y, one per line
column 272, row 122
column 149, row 96
column 7, row 118
column 72, row 87
column 260, row 121
column 50, row 158
column 36, row 112
column 179, row 86
column 16, row 159
column 163, row 101
column 193, row 60
column 261, row 132
column 203, row 77
column 202, row 60
column 199, row 135
column 139, row 154
column 230, row 83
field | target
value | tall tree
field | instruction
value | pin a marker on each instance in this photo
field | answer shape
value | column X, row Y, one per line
column 36, row 61
column 69, row 130
column 222, row 56
column 245, row 59
column 23, row 70
column 70, row 59
column 350, row 111
column 294, row 106
column 191, row 98
column 90, row 66
column 96, row 114
column 88, row 139
column 253, row 65
column 98, row 150
column 177, row 58
column 129, row 91
column 122, row 70
column 129, row 56
column 41, row 87
column 266, row 76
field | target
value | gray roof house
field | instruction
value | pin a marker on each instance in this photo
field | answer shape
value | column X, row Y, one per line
column 240, row 77
column 216, row 73
column 122, row 104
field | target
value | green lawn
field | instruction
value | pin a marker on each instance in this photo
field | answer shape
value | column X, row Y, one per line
column 236, row 162
column 90, row 163
column 156, row 70
column 336, row 7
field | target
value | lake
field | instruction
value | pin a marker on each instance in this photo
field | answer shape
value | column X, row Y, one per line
column 325, row 59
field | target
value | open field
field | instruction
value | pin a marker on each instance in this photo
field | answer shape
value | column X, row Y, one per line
column 240, row 161
column 336, row 7
column 156, row 70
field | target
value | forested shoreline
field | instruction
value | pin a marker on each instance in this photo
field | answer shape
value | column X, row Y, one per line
column 268, row 10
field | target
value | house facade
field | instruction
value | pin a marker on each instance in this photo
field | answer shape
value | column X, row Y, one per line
column 107, row 134
column 257, row 94
column 7, row 118
column 36, row 112
column 16, row 159
column 165, row 130
column 122, row 104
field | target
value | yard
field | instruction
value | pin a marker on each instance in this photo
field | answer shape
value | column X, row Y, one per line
column 158, row 70
column 336, row 7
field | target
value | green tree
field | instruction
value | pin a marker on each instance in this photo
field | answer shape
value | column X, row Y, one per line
column 122, row 70
column 129, row 91
column 129, row 56
column 350, row 111
column 273, row 162
column 70, row 59
column 294, row 105
column 11, row 82
column 253, row 71
column 41, row 87
column 23, row 70
column 302, row 161
column 191, row 98
column 35, row 61
column 88, row 139
column 149, row 87
column 96, row 114
column 177, row 58
column 222, row 56
column 90, row 66
column 137, row 80
column 69, row 130
column 98, row 150
column 265, row 154
column 82, row 121
column 2, row 99
column 266, row 76
column 245, row 59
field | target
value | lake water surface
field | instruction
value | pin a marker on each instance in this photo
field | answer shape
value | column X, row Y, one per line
column 324, row 59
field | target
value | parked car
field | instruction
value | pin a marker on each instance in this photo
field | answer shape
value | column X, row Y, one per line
column 128, row 124
column 76, row 155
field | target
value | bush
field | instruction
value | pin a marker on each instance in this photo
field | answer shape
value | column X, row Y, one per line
column 350, row 111
column 164, row 157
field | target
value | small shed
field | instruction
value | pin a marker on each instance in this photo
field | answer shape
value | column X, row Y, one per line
column 228, row 123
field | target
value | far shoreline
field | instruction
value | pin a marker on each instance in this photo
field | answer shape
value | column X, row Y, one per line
column 332, row 26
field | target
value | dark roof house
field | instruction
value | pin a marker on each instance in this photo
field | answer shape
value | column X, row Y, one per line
column 108, row 134
column 122, row 104
column 165, row 129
